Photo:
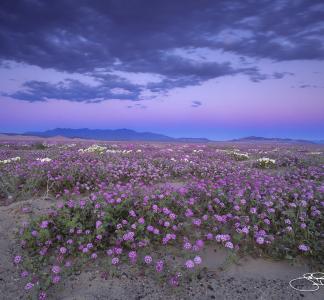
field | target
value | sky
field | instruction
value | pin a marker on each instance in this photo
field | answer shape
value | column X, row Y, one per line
column 185, row 68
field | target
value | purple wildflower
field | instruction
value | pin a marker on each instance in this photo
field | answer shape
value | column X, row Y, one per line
column 189, row 264
column 148, row 259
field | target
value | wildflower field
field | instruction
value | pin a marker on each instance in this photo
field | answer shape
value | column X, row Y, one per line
column 157, row 206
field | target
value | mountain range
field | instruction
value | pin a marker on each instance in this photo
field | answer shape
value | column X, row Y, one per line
column 275, row 140
column 131, row 135
column 112, row 135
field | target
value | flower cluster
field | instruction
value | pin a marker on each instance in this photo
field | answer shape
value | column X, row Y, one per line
column 265, row 162
column 93, row 148
column 129, row 207
column 46, row 159
column 239, row 155
column 9, row 160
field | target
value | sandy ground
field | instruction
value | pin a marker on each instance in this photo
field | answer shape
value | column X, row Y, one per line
column 249, row 279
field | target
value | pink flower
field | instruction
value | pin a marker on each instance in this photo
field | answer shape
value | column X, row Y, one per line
column 245, row 230
column 68, row 264
column 187, row 246
column 200, row 243
column 260, row 240
column 196, row 222
column 303, row 248
column 174, row 281
column 150, row 228
column 197, row 260
column 63, row 250
column 209, row 236
column 56, row 269
column 132, row 256
column 148, row 259
column 166, row 210
column 189, row 264
column 98, row 224
column 159, row 266
column 166, row 224
column 42, row 295
column 188, row 213
column 29, row 286
column 115, row 260
column 129, row 236
column 132, row 213
column 253, row 210
column 172, row 216
column 195, row 248
column 229, row 245
column 237, row 207
column 17, row 259
column 303, row 225
column 24, row 274
column 56, row 279
column 44, row 224
column 118, row 251
column 43, row 251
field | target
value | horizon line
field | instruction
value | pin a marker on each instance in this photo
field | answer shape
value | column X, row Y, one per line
column 26, row 133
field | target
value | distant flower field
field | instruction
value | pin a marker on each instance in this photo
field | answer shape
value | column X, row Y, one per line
column 135, row 204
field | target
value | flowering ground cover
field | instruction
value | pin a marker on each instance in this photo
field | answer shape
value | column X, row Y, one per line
column 156, row 206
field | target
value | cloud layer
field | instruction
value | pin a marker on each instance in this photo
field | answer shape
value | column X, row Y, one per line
column 99, row 38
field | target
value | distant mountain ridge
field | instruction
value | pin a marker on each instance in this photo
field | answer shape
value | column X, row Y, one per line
column 112, row 135
column 132, row 135
column 273, row 140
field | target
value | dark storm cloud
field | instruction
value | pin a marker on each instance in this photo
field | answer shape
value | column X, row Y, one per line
column 196, row 104
column 73, row 90
column 304, row 86
column 279, row 75
column 138, row 36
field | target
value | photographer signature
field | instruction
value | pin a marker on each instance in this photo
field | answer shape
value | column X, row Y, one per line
column 317, row 279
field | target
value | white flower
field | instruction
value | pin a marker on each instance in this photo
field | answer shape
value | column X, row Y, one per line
column 198, row 151
column 46, row 159
column 240, row 155
column 266, row 162
column 9, row 160
column 93, row 148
